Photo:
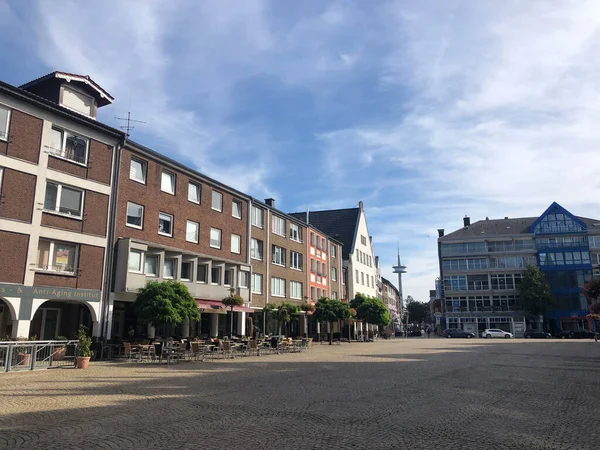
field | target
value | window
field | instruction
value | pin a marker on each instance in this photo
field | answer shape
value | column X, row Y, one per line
column 135, row 215
column 57, row 256
column 278, row 226
column 372, row 281
column 256, row 249
column 312, row 293
column 362, row 278
column 324, row 292
column 78, row 101
column 244, row 279
column 137, row 170
column 333, row 274
column 194, row 192
column 257, row 279
column 363, row 240
column 318, row 242
column 192, row 230
column 151, row 264
column 1, row 173
column 4, row 118
column 357, row 275
column 278, row 255
column 167, row 182
column 217, row 201
column 169, row 268
column 228, row 277
column 186, row 271
column 257, row 217
column 236, row 244
column 318, row 293
column 236, row 209
column 367, row 280
column 165, row 224
column 63, row 199
column 68, row 146
column 312, row 238
column 296, row 260
column 333, row 251
column 135, row 261
column 318, row 267
column 215, row 238
column 295, row 234
column 215, row 275
column 324, row 269
column 323, row 246
column 277, row 287
column 295, row 289
column 312, row 265
column 202, row 273
column 334, row 295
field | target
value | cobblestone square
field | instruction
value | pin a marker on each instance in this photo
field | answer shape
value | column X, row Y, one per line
column 414, row 394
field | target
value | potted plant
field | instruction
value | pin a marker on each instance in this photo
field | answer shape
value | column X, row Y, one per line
column 61, row 350
column 24, row 353
column 84, row 350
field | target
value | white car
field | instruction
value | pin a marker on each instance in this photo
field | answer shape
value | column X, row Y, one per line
column 496, row 333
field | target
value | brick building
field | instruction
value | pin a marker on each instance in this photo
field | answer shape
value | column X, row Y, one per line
column 56, row 173
column 175, row 223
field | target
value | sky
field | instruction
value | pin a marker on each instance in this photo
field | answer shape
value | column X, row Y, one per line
column 427, row 111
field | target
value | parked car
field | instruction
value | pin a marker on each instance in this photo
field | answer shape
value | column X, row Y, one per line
column 582, row 334
column 536, row 334
column 564, row 334
column 496, row 333
column 456, row 333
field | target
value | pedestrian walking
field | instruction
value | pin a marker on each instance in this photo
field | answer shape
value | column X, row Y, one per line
column 428, row 332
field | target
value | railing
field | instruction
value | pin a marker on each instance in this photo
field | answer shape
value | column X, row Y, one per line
column 30, row 355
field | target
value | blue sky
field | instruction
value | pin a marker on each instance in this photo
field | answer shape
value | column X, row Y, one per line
column 426, row 110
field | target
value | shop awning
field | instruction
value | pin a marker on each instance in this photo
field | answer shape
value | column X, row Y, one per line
column 216, row 307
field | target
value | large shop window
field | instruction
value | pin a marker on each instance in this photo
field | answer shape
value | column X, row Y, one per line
column 64, row 200
column 57, row 256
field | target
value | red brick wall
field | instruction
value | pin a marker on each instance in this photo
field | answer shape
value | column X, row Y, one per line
column 154, row 201
column 62, row 222
column 95, row 213
column 18, row 192
column 98, row 168
column 13, row 257
column 25, row 136
column 91, row 262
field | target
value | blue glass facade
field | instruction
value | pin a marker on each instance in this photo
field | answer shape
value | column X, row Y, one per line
column 564, row 257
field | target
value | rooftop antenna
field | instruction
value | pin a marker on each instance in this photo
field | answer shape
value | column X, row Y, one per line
column 127, row 128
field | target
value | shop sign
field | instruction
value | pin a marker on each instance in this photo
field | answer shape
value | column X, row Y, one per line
column 19, row 291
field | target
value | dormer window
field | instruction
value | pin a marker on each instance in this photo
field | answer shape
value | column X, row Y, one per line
column 78, row 101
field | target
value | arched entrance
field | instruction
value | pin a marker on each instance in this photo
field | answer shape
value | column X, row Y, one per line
column 54, row 318
column 7, row 316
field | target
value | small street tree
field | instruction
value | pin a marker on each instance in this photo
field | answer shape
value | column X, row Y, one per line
column 165, row 302
column 283, row 312
column 534, row 292
column 372, row 310
column 330, row 311
column 231, row 301
column 417, row 311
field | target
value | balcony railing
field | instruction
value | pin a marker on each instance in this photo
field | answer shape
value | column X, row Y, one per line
column 483, row 309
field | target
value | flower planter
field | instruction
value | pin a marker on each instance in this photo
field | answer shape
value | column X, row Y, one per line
column 59, row 354
column 23, row 359
column 83, row 362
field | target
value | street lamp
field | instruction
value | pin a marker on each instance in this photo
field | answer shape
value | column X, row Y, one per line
column 305, row 298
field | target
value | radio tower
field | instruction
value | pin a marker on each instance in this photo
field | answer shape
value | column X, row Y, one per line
column 400, row 269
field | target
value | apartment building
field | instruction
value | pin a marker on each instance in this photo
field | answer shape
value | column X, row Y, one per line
column 391, row 299
column 324, row 277
column 173, row 223
column 349, row 227
column 278, row 255
column 56, row 178
column 481, row 266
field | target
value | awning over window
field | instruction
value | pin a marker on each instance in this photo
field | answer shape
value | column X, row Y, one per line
column 216, row 307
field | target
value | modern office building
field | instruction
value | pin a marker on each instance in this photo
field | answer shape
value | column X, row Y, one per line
column 481, row 266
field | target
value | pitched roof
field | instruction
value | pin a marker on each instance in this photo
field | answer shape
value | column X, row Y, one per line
column 340, row 224
column 102, row 96
column 504, row 227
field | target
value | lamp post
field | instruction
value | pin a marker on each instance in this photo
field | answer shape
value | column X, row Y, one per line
column 305, row 318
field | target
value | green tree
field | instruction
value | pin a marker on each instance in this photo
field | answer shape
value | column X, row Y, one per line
column 357, row 300
column 534, row 292
column 283, row 312
column 417, row 311
column 231, row 301
column 165, row 302
column 591, row 290
column 327, row 310
column 372, row 310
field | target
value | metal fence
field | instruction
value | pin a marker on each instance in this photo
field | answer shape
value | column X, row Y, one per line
column 30, row 355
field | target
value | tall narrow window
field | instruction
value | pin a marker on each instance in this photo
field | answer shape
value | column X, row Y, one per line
column 135, row 261
column 191, row 232
column 295, row 289
column 257, row 217
column 296, row 260
column 215, row 275
column 312, row 238
column 194, row 191
column 257, row 279
column 169, row 268
column 186, row 271
column 277, row 287
column 236, row 209
column 165, row 224
column 4, row 120
column 278, row 256
column 167, row 182
column 278, row 225
column 202, row 273
column 135, row 215
column 295, row 234
column 256, row 249
column 137, row 170
column 217, row 201
column 151, row 265
column 215, row 238
column 236, row 243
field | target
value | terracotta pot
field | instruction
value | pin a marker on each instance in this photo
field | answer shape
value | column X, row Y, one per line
column 23, row 359
column 82, row 362
column 59, row 355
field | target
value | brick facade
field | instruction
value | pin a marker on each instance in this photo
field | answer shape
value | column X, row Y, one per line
column 98, row 166
column 260, row 267
column 155, row 201
column 13, row 256
column 24, row 137
column 17, row 195
column 89, row 272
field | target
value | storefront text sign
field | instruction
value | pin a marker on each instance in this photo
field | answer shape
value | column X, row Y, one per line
column 15, row 290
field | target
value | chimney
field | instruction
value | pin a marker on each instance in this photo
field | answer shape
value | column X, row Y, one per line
column 307, row 216
column 441, row 232
column 270, row 202
column 467, row 221
column 360, row 204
